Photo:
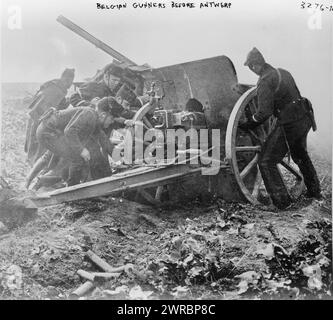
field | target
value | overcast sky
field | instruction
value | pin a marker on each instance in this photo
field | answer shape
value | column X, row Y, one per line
column 42, row 48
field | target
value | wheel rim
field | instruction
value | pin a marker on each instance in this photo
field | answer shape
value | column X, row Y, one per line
column 139, row 119
column 243, row 149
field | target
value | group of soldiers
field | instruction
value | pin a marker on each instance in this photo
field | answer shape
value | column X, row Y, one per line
column 68, row 137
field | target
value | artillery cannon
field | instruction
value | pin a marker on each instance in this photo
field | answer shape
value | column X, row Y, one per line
column 212, row 85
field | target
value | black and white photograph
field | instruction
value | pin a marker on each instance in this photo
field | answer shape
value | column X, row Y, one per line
column 166, row 151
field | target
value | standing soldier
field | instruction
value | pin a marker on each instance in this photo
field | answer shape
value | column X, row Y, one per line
column 50, row 94
column 278, row 95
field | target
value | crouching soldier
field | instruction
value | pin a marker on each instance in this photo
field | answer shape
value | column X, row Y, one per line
column 78, row 135
column 50, row 94
column 121, row 116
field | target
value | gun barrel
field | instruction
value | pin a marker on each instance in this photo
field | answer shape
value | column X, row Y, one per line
column 98, row 43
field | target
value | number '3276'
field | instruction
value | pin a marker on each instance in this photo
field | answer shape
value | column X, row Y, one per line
column 318, row 6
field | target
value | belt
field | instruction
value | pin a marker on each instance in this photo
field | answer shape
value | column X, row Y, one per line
column 292, row 111
column 46, row 115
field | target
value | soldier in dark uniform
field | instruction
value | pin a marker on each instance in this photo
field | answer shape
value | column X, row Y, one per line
column 133, row 100
column 279, row 96
column 105, row 83
column 55, row 168
column 122, row 116
column 50, row 94
column 128, row 98
column 78, row 136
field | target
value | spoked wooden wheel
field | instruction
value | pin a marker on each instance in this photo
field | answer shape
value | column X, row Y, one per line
column 243, row 150
column 153, row 195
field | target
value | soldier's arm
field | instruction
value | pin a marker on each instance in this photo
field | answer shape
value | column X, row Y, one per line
column 124, row 115
column 120, row 120
column 265, row 93
column 85, row 120
column 127, row 114
column 63, row 104
column 105, row 143
column 37, row 107
column 134, row 81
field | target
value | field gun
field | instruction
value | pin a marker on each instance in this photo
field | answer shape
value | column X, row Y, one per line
column 221, row 103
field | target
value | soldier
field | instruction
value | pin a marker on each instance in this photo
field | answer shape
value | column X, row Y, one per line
column 278, row 95
column 50, row 94
column 55, row 169
column 78, row 136
column 133, row 100
column 128, row 99
column 122, row 116
column 106, row 83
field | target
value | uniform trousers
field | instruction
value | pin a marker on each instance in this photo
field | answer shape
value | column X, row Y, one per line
column 58, row 144
column 274, row 150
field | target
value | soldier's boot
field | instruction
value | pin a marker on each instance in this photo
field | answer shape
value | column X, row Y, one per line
column 75, row 176
column 310, row 177
column 281, row 200
column 275, row 185
column 49, row 180
column 100, row 168
column 36, row 169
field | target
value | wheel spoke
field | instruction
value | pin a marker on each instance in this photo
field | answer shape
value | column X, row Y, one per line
column 248, row 148
column 158, row 193
column 270, row 125
column 257, row 184
column 249, row 166
column 253, row 104
column 264, row 133
column 254, row 135
column 147, row 122
column 291, row 169
column 148, row 197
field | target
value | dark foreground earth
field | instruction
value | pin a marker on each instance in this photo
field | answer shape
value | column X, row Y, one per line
column 214, row 251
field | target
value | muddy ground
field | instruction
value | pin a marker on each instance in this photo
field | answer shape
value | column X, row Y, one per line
column 196, row 251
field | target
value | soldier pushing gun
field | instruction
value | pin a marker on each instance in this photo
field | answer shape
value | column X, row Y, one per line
column 51, row 94
column 78, row 135
column 279, row 96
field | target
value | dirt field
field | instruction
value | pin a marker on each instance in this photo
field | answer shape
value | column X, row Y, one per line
column 214, row 251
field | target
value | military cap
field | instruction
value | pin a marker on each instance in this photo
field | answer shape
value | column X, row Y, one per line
column 68, row 73
column 110, row 105
column 254, row 57
column 114, row 70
